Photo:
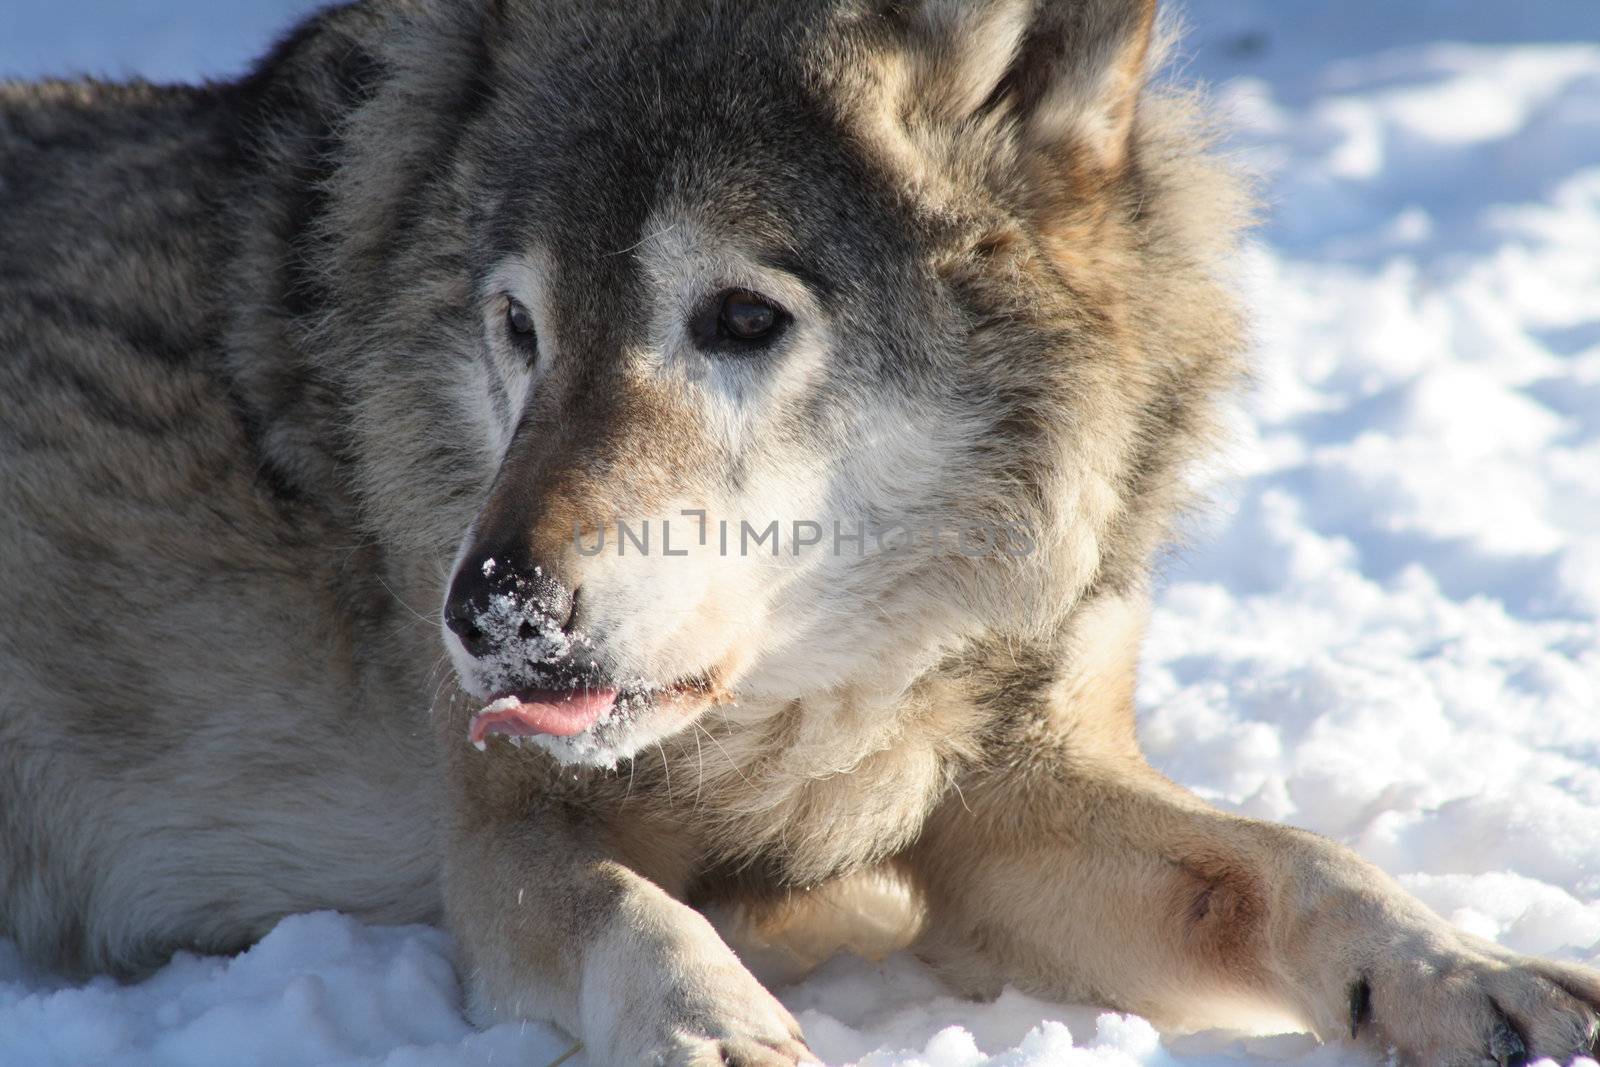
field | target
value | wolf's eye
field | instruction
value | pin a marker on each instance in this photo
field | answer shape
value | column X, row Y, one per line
column 747, row 316
column 519, row 323
column 737, row 321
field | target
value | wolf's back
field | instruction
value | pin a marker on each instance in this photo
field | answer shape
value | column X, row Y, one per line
column 157, row 561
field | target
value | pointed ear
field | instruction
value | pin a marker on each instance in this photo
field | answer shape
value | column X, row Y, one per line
column 947, row 57
column 1067, row 73
column 1078, row 77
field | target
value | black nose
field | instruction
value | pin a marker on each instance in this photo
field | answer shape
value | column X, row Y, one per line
column 498, row 598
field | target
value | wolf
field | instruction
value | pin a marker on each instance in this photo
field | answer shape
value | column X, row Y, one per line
column 373, row 428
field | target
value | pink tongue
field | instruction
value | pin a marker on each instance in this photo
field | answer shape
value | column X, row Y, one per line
column 560, row 714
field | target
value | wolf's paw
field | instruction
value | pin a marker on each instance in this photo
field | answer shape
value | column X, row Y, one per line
column 742, row 1052
column 1477, row 1005
column 696, row 1007
column 728, row 1019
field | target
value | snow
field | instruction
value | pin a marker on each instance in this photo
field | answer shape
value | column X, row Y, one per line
column 1387, row 629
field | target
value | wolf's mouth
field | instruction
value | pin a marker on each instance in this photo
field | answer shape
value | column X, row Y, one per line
column 541, row 711
column 569, row 712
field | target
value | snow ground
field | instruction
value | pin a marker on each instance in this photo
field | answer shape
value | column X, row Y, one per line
column 1387, row 630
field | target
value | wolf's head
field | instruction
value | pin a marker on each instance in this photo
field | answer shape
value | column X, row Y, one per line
column 774, row 348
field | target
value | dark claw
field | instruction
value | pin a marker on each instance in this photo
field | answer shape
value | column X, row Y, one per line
column 1506, row 1045
column 1360, row 1005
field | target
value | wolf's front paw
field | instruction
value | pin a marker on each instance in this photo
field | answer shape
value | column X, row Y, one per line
column 692, row 1004
column 726, row 1027
column 741, row 1052
column 731, row 1022
column 1465, row 1003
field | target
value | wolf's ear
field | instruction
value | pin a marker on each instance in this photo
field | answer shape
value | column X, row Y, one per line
column 1068, row 73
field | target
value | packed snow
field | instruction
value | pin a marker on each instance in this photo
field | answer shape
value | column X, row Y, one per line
column 1386, row 629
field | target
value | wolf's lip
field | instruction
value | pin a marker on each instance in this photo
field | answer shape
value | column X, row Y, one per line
column 557, row 713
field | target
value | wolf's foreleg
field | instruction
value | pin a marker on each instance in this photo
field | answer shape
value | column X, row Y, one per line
column 554, row 927
column 1099, row 880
